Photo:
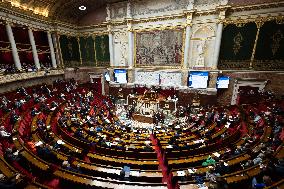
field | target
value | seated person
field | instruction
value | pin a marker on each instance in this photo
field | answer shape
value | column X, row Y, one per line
column 4, row 133
column 66, row 165
column 11, row 183
column 266, row 182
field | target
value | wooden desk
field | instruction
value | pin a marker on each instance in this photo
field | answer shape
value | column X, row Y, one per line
column 6, row 169
column 143, row 118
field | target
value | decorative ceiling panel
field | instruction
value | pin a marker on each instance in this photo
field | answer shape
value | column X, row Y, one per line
column 68, row 10
column 62, row 10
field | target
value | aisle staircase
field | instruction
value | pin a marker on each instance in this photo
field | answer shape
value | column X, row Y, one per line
column 163, row 164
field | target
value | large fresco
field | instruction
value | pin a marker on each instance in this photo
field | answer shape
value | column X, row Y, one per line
column 159, row 48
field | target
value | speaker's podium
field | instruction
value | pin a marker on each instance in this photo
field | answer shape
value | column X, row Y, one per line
column 143, row 118
column 148, row 104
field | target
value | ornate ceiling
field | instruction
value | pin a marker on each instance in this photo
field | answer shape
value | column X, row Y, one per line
column 62, row 10
column 68, row 10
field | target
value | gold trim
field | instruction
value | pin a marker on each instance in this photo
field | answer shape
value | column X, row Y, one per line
column 96, row 61
column 80, row 53
column 60, row 52
column 256, row 6
column 159, row 28
column 238, row 21
column 258, row 25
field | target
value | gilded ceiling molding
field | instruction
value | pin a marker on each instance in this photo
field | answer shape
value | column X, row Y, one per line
column 15, row 17
column 159, row 27
column 101, row 25
column 27, row 18
column 9, row 6
column 257, row 6
column 240, row 21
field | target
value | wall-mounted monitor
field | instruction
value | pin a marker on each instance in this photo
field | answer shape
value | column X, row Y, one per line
column 198, row 79
column 223, row 82
column 120, row 75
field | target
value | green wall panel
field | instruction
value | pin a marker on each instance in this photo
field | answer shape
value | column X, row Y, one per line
column 270, row 47
column 237, row 46
column 102, row 50
column 70, row 50
column 87, row 51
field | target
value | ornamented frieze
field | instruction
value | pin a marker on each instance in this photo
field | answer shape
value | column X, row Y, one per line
column 150, row 7
column 24, row 76
column 120, row 42
column 234, row 65
column 268, row 65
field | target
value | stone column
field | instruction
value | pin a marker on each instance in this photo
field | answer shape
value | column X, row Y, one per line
column 186, row 47
column 110, row 37
column 217, row 45
column 130, row 36
column 130, row 49
column 57, row 49
column 53, row 60
column 188, row 33
column 219, row 31
column 35, row 55
column 14, row 47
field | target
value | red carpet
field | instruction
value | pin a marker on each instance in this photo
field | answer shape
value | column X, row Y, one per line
column 54, row 183
column 167, row 178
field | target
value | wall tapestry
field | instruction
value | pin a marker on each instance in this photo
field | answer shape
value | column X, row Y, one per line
column 159, row 48
column 87, row 51
column 269, row 53
column 237, row 46
column 70, row 51
column 102, row 50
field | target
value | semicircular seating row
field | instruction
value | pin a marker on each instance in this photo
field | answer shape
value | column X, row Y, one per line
column 67, row 136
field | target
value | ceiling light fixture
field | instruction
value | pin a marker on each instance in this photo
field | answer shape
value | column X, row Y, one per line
column 82, row 8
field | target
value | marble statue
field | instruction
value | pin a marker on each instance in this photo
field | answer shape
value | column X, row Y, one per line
column 200, row 62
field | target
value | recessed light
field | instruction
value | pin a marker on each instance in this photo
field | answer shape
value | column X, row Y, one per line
column 82, row 8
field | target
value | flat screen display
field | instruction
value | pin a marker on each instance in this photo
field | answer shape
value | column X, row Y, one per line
column 120, row 75
column 223, row 82
column 198, row 80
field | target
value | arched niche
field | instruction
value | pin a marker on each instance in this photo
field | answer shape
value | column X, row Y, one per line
column 203, row 32
column 202, row 45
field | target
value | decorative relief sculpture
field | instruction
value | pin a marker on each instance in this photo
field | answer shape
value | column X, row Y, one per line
column 147, row 78
column 206, row 2
column 153, row 7
column 202, row 45
column 121, row 47
column 170, row 78
column 23, row 76
column 200, row 62
column 159, row 48
column 118, row 10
